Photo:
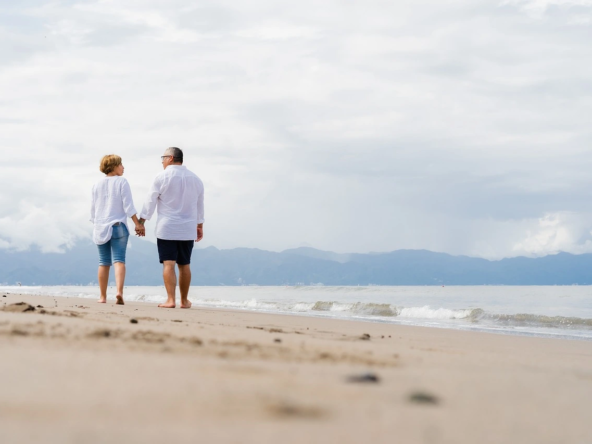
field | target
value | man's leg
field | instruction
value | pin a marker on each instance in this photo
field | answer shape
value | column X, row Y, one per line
column 170, row 282
column 119, row 280
column 184, row 283
column 103, row 277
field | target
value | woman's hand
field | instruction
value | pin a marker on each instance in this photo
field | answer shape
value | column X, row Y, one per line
column 140, row 230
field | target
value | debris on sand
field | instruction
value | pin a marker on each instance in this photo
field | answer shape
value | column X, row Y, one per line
column 19, row 307
column 365, row 337
column 423, row 398
column 364, row 378
column 133, row 321
column 290, row 410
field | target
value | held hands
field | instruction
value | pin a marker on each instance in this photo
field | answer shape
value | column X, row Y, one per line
column 140, row 229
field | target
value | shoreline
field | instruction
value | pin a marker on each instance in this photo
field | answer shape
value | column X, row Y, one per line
column 75, row 370
column 540, row 331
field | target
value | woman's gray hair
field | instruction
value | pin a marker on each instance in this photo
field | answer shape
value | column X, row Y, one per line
column 177, row 154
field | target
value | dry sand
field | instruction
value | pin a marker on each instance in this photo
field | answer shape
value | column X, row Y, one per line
column 74, row 371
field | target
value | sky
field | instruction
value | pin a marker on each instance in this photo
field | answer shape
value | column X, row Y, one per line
column 460, row 126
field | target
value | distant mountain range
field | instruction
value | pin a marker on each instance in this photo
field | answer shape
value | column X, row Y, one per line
column 299, row 266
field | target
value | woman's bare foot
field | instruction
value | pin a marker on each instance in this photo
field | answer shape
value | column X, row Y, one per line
column 102, row 300
column 167, row 305
column 185, row 304
column 119, row 300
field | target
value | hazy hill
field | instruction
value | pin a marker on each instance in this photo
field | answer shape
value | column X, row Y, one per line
column 307, row 266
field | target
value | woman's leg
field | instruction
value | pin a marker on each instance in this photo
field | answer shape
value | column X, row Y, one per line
column 119, row 246
column 104, row 267
column 103, row 277
column 119, row 281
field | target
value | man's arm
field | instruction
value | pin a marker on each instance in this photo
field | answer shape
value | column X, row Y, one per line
column 200, row 216
column 151, row 200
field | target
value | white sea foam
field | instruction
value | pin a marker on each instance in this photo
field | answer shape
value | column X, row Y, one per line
column 426, row 312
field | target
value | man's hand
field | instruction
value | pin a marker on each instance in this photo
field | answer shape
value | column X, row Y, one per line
column 199, row 233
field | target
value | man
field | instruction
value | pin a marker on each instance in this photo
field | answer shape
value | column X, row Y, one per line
column 178, row 196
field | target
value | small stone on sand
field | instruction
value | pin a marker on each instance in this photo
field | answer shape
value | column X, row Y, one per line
column 277, row 340
column 365, row 337
column 364, row 378
column 423, row 398
column 133, row 321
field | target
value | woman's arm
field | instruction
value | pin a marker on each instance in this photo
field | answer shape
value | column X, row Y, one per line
column 127, row 200
column 140, row 229
column 128, row 207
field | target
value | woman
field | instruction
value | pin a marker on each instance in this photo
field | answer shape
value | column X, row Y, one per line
column 111, row 206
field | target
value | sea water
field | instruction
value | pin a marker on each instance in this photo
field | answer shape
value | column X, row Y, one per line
column 550, row 311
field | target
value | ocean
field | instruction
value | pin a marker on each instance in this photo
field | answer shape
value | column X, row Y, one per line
column 547, row 311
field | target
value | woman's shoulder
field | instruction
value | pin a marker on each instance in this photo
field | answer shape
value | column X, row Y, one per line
column 120, row 180
column 99, row 182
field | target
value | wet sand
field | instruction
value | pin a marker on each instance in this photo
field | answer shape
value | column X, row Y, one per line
column 74, row 371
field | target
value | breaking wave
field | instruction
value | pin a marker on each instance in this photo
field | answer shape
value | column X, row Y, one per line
column 374, row 310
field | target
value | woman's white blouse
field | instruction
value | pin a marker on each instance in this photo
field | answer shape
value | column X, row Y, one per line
column 111, row 203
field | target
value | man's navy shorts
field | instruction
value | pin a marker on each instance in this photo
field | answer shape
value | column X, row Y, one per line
column 174, row 250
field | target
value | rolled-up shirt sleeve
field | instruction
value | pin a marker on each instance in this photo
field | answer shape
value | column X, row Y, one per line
column 151, row 200
column 127, row 199
column 200, row 208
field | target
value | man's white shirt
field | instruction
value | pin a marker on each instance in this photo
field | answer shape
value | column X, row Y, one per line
column 177, row 195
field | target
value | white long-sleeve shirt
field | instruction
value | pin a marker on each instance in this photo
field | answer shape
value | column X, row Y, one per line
column 178, row 196
column 111, row 203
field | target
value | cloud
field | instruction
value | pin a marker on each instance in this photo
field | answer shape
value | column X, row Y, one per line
column 539, row 7
column 557, row 232
column 42, row 226
column 446, row 125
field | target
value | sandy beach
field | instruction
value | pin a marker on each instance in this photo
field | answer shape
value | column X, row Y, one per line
column 74, row 371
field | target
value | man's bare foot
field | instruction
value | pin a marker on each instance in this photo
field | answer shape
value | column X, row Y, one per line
column 119, row 300
column 167, row 305
column 102, row 300
column 186, row 304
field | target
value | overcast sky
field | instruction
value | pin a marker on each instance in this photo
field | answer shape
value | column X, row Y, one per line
column 460, row 126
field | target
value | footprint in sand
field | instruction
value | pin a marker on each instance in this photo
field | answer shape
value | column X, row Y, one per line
column 19, row 307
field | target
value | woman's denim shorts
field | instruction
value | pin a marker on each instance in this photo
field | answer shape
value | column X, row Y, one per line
column 117, row 244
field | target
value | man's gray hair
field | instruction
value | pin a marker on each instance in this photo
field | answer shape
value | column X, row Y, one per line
column 177, row 154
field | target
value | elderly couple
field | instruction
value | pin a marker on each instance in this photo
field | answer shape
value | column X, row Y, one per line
column 178, row 197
